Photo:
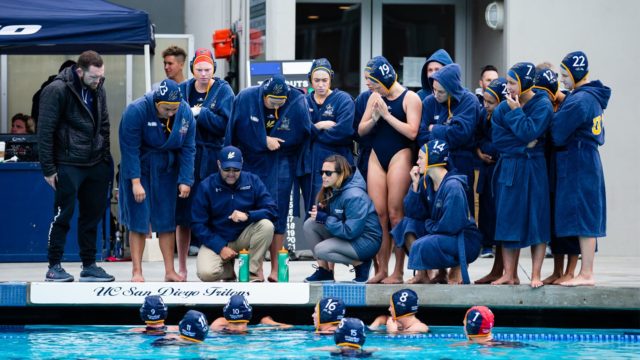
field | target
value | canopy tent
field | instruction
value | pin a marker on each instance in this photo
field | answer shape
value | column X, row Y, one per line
column 72, row 26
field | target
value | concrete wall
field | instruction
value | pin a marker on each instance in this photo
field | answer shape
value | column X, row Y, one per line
column 281, row 30
column 607, row 31
column 204, row 17
column 487, row 44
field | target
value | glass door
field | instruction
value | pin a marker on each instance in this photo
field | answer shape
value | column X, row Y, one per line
column 408, row 31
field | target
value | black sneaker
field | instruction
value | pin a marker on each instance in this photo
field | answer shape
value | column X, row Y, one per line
column 94, row 273
column 486, row 253
column 321, row 275
column 362, row 272
column 57, row 274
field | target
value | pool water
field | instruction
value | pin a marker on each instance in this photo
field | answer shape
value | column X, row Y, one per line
column 444, row 342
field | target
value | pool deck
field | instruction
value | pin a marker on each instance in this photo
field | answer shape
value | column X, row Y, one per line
column 618, row 285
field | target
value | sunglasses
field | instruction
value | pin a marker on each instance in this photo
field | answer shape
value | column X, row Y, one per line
column 329, row 172
column 234, row 170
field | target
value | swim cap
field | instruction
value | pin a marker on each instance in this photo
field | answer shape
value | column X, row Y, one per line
column 350, row 333
column 237, row 310
column 202, row 55
column 547, row 79
column 276, row 87
column 523, row 73
column 153, row 310
column 497, row 88
column 576, row 64
column 193, row 326
column 380, row 70
column 478, row 321
column 331, row 310
column 321, row 64
column 168, row 93
column 404, row 303
column 437, row 153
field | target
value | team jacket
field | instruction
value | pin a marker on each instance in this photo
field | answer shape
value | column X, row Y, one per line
column 215, row 201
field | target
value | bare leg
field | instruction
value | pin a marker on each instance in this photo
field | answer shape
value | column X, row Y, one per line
column 558, row 265
column 455, row 276
column 276, row 245
column 537, row 257
column 419, row 278
column 570, row 273
column 585, row 276
column 167, row 244
column 397, row 177
column 183, row 240
column 439, row 277
column 510, row 261
column 496, row 270
column 136, row 243
column 325, row 264
column 377, row 190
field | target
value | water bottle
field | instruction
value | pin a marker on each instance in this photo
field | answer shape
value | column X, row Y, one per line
column 244, row 265
column 283, row 265
column 119, row 251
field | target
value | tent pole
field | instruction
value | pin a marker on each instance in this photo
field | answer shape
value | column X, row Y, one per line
column 147, row 68
column 3, row 91
column 129, row 78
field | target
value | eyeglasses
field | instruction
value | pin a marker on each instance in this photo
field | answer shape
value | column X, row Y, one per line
column 234, row 170
column 329, row 172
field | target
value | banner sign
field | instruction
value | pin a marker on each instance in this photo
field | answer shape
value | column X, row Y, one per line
column 172, row 293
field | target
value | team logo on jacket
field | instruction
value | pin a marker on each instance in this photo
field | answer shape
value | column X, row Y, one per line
column 285, row 124
column 328, row 111
column 436, row 117
column 152, row 123
column 254, row 118
column 339, row 211
column 438, row 203
column 184, row 127
column 213, row 104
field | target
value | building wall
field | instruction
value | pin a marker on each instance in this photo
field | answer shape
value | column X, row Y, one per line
column 607, row 32
column 486, row 43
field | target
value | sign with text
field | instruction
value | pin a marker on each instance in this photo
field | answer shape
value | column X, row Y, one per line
column 172, row 293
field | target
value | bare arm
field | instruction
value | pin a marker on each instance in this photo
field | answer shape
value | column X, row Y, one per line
column 368, row 119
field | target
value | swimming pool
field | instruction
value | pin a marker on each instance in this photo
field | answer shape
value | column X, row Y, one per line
column 116, row 342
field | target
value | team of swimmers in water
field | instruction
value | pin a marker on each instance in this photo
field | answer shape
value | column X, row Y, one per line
column 329, row 318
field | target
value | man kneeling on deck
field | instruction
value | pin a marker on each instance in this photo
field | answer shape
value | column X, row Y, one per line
column 232, row 211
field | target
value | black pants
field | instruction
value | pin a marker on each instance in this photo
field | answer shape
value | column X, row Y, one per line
column 89, row 185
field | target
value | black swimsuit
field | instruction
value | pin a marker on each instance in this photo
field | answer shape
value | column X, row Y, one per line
column 387, row 141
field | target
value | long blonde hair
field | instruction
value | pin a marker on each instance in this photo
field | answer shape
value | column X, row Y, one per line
column 343, row 169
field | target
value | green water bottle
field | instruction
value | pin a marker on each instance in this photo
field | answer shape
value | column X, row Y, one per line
column 244, row 265
column 283, row 265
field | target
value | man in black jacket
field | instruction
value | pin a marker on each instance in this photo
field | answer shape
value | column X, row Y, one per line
column 73, row 143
